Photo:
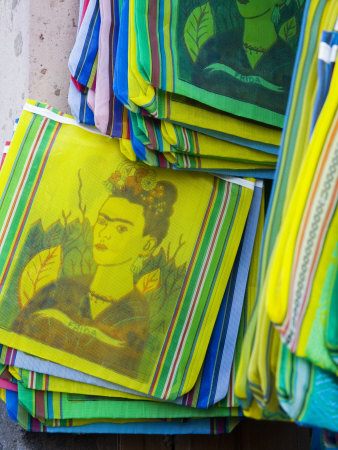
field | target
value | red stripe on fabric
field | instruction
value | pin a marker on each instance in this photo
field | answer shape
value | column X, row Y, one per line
column 171, row 48
column 40, row 404
column 3, row 159
column 196, row 142
column 13, row 355
column 162, row 160
column 185, row 284
column 28, row 206
column 189, row 397
column 35, row 425
column 110, row 123
column 230, row 388
column 21, row 182
column 152, row 135
column 199, row 286
column 152, row 21
column 128, row 128
column 10, row 357
column 314, row 189
column 80, row 87
column 186, row 142
column 85, row 6
column 7, row 358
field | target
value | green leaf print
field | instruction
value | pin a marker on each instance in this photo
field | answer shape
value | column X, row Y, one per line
column 198, row 29
column 289, row 29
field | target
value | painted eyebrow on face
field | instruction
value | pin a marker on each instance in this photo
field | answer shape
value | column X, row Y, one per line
column 117, row 219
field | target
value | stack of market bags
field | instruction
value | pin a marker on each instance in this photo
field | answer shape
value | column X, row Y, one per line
column 288, row 365
column 122, row 286
column 137, row 299
column 198, row 85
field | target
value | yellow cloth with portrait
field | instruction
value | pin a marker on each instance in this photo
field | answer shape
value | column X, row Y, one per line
column 111, row 270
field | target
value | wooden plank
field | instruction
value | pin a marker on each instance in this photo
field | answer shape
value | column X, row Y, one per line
column 146, row 442
column 202, row 442
column 264, row 435
column 251, row 435
column 131, row 442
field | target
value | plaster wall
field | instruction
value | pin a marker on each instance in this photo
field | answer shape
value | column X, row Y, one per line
column 14, row 62
column 53, row 25
column 36, row 37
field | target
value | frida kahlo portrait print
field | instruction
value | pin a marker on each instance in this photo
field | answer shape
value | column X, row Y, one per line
column 99, row 293
column 241, row 49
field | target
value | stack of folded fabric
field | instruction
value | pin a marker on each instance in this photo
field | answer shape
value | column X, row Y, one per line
column 292, row 366
column 187, row 85
column 137, row 299
column 121, row 300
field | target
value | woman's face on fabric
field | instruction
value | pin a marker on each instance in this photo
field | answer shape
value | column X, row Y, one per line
column 250, row 9
column 118, row 232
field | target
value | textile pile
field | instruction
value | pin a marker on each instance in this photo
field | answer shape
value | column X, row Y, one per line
column 168, row 255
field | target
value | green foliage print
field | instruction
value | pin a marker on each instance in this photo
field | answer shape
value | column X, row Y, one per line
column 162, row 301
column 75, row 238
column 199, row 21
column 199, row 27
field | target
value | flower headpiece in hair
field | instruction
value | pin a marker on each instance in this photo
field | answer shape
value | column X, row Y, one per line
column 141, row 181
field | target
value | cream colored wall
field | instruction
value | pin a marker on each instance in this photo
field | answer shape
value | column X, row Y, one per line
column 14, row 62
column 52, row 35
column 36, row 37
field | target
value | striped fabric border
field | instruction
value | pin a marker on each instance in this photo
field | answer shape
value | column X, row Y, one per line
column 159, row 25
column 79, row 106
column 231, row 218
column 230, row 333
column 109, row 117
column 212, row 202
column 321, row 204
column 224, row 200
column 57, row 405
column 17, row 413
column 78, row 94
column 83, row 56
column 39, row 143
column 38, row 381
